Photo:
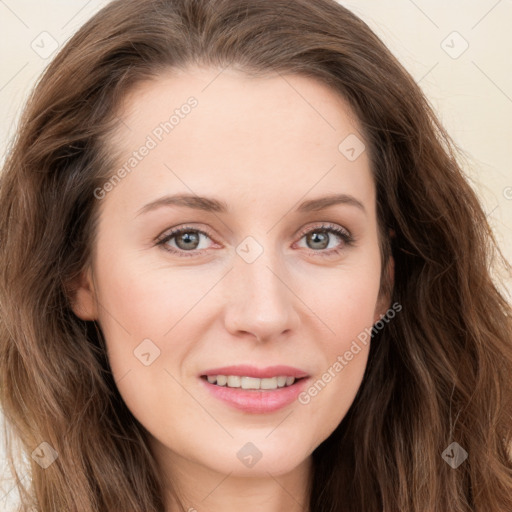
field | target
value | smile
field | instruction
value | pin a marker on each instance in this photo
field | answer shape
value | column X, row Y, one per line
column 268, row 397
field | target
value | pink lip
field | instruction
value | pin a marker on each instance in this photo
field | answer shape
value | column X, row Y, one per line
column 260, row 373
column 256, row 401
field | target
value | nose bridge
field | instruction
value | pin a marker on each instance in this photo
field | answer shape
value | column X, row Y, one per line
column 260, row 302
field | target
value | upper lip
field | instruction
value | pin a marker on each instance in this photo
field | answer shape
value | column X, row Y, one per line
column 260, row 373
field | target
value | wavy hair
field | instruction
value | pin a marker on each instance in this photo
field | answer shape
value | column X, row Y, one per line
column 438, row 373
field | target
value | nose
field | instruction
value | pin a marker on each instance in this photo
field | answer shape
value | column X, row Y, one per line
column 260, row 301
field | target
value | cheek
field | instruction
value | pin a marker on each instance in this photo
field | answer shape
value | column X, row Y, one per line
column 345, row 298
column 146, row 327
column 347, row 306
column 147, row 300
column 150, row 317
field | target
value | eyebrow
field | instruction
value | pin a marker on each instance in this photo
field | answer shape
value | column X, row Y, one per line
column 217, row 206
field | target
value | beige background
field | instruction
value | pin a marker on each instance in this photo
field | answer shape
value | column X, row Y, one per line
column 470, row 88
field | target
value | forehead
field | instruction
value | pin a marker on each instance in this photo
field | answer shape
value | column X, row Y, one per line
column 282, row 134
column 230, row 100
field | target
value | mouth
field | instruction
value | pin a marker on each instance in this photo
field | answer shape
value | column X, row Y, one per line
column 252, row 394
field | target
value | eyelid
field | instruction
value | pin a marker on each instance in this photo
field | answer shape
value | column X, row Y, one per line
column 323, row 225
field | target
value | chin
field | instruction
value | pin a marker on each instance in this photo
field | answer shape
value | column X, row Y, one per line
column 258, row 462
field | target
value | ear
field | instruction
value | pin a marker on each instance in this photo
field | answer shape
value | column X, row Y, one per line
column 384, row 300
column 82, row 296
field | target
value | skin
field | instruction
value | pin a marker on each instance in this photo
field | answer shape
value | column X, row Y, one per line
column 262, row 145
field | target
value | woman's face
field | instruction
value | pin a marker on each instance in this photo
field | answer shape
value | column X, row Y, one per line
column 253, row 280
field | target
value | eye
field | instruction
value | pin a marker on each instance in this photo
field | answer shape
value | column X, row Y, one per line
column 319, row 238
column 186, row 239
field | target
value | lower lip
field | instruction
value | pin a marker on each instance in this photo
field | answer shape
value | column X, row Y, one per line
column 257, row 401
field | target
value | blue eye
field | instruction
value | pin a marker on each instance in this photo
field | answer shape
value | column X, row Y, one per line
column 187, row 239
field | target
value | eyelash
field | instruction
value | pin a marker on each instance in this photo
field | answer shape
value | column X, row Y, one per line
column 347, row 238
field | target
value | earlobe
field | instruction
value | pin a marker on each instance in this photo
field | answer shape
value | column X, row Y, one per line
column 82, row 296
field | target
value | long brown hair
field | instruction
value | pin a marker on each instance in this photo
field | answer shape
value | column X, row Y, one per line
column 438, row 373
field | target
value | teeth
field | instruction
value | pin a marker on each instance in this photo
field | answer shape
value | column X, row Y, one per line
column 234, row 381
column 222, row 380
column 281, row 381
column 249, row 383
